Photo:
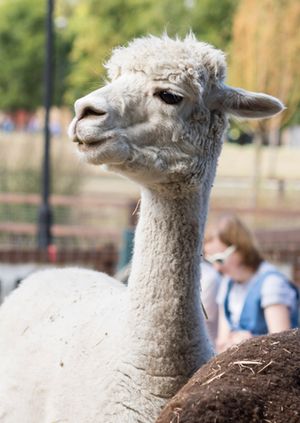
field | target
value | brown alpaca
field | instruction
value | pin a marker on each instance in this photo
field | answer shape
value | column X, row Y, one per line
column 257, row 381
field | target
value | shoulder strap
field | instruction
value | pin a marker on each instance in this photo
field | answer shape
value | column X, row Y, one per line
column 226, row 302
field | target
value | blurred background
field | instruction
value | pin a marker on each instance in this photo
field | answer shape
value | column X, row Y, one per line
column 89, row 211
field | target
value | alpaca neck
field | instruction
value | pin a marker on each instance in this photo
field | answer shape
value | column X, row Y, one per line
column 167, row 330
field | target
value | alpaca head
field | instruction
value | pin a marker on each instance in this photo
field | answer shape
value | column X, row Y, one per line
column 161, row 117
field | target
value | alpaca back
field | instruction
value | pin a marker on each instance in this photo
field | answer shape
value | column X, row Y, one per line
column 68, row 319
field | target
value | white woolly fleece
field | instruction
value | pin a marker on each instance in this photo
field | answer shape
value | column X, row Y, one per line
column 164, row 56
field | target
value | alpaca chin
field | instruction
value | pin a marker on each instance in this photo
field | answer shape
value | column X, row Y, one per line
column 109, row 152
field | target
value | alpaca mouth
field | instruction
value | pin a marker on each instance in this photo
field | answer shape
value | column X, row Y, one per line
column 91, row 145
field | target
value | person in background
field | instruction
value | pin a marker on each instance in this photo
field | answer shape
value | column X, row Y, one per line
column 254, row 297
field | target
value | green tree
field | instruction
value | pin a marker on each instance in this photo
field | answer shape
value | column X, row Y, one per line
column 265, row 54
column 212, row 20
column 97, row 27
column 22, row 55
column 265, row 57
column 90, row 29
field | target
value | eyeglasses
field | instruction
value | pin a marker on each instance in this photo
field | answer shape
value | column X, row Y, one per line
column 221, row 257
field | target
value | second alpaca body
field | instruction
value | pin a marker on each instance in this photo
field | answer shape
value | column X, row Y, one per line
column 76, row 345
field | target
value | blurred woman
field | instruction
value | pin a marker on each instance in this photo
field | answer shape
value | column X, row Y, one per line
column 254, row 297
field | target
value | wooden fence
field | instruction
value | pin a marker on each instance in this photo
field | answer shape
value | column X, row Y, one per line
column 103, row 259
column 280, row 246
column 91, row 221
column 283, row 247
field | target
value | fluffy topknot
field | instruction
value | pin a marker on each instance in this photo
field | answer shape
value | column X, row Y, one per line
column 167, row 58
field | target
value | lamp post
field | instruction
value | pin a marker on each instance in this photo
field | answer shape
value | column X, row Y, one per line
column 45, row 213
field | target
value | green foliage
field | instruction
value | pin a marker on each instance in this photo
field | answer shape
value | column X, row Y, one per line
column 22, row 55
column 265, row 54
column 97, row 27
column 296, row 117
column 85, row 33
column 211, row 20
column 63, row 45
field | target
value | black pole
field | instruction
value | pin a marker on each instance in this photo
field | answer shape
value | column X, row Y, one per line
column 45, row 213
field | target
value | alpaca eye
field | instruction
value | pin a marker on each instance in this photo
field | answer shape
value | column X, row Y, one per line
column 169, row 98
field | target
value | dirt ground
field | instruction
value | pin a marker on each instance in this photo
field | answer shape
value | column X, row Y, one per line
column 257, row 381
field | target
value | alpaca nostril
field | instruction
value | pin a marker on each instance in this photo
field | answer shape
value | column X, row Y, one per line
column 91, row 111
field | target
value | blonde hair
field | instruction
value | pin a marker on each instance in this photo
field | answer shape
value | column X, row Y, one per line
column 232, row 231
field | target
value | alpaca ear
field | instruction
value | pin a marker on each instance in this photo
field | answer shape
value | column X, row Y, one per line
column 242, row 103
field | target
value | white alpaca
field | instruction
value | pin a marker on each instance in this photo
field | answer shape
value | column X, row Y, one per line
column 77, row 346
